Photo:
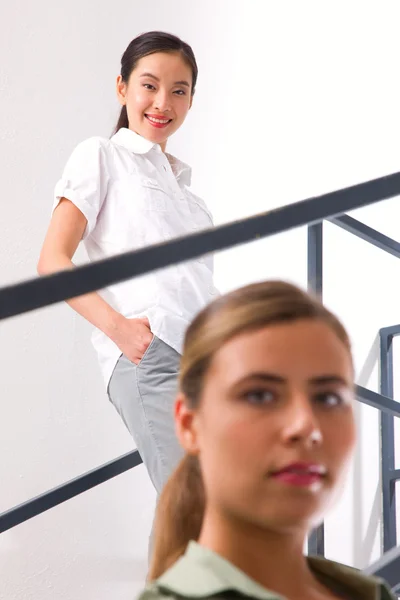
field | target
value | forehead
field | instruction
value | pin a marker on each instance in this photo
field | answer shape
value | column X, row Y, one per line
column 164, row 64
column 300, row 350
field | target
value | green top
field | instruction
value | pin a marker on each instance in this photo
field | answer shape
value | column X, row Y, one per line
column 201, row 573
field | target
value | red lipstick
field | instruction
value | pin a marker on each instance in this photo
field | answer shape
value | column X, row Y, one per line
column 158, row 121
column 300, row 474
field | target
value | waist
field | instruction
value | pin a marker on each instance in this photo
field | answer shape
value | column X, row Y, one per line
column 179, row 290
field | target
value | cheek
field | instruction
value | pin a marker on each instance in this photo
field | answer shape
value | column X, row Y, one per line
column 224, row 457
column 137, row 100
column 340, row 439
column 181, row 108
column 232, row 440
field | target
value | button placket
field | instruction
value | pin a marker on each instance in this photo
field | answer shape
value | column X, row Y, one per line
column 171, row 179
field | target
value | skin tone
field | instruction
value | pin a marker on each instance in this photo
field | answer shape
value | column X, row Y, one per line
column 271, row 398
column 160, row 85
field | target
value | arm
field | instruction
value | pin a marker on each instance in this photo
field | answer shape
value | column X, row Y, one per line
column 65, row 232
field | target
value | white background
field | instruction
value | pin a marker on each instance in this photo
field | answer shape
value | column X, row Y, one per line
column 294, row 99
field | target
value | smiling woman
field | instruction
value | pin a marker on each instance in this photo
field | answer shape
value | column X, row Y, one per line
column 124, row 193
column 265, row 416
column 167, row 77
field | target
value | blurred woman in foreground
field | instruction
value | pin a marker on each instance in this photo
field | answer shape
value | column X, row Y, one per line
column 265, row 416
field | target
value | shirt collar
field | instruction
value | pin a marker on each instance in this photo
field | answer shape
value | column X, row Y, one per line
column 139, row 145
column 133, row 141
column 202, row 573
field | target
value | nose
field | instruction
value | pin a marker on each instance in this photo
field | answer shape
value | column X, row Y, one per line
column 162, row 101
column 301, row 423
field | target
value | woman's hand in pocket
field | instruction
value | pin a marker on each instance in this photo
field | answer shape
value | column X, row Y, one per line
column 133, row 337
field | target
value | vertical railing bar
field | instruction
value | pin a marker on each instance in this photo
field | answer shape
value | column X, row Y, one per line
column 316, row 540
column 387, row 445
column 315, row 259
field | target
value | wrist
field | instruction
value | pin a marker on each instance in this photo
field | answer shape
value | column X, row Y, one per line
column 114, row 325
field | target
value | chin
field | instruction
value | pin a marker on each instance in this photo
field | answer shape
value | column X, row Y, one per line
column 156, row 137
column 291, row 523
column 293, row 517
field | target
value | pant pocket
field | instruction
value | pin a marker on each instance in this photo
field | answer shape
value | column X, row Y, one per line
column 147, row 351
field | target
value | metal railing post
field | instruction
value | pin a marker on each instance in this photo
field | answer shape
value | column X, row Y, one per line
column 316, row 540
column 387, row 444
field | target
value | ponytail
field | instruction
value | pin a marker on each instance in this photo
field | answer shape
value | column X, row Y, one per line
column 180, row 510
column 122, row 120
column 179, row 516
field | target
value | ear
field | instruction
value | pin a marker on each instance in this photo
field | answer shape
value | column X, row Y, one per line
column 121, row 90
column 186, row 425
column 191, row 101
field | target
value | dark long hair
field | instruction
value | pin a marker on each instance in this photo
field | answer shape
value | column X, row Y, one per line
column 150, row 43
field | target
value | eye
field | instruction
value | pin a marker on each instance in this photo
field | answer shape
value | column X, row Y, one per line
column 329, row 399
column 148, row 86
column 258, row 397
column 180, row 92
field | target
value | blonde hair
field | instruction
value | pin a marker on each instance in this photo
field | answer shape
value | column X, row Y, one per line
column 179, row 516
column 181, row 506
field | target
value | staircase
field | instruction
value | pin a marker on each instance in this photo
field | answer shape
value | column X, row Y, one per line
column 331, row 207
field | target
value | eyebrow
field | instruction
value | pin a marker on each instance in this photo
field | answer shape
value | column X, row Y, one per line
column 183, row 82
column 273, row 378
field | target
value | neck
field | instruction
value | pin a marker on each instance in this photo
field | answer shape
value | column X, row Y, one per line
column 259, row 553
column 163, row 145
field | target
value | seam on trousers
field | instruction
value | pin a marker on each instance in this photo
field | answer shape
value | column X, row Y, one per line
column 117, row 404
column 148, row 422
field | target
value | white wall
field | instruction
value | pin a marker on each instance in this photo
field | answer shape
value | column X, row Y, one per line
column 294, row 99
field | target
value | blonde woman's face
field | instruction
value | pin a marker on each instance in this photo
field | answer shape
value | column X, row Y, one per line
column 274, row 430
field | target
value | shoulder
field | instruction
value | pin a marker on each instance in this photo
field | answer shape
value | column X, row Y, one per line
column 351, row 578
column 89, row 157
column 93, row 145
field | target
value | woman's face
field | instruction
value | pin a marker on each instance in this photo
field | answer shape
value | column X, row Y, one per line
column 274, row 429
column 157, row 95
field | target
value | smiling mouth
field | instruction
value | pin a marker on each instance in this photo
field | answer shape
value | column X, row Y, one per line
column 158, row 121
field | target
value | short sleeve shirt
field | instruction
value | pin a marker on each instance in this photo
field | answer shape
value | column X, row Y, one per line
column 134, row 195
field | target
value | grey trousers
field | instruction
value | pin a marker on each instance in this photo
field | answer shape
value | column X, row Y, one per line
column 144, row 396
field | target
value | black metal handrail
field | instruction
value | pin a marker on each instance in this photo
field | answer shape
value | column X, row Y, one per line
column 43, row 502
column 29, row 295
column 389, row 568
column 366, row 233
column 39, row 292
column 390, row 475
column 40, row 504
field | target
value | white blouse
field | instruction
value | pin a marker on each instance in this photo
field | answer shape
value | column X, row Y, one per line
column 133, row 195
